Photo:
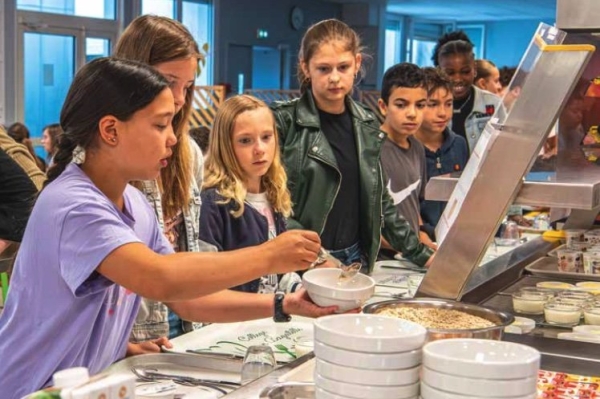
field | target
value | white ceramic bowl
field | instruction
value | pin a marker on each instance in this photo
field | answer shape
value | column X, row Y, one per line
column 479, row 358
column 359, row 376
column 323, row 288
column 478, row 386
column 367, row 391
column 428, row 392
column 369, row 333
column 375, row 361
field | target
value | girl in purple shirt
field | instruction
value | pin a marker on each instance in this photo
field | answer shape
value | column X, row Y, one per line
column 92, row 243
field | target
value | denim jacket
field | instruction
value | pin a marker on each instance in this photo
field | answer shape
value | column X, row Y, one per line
column 484, row 106
column 153, row 317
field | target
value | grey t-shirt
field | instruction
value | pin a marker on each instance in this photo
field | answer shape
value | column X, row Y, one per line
column 405, row 176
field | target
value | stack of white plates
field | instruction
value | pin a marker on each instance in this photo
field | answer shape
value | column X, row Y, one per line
column 367, row 356
column 478, row 368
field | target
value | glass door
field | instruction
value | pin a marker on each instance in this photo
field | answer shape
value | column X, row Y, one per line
column 49, row 57
column 49, row 66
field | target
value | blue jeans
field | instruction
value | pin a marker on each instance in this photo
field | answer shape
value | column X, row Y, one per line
column 350, row 255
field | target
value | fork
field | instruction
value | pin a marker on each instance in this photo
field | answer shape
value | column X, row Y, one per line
column 147, row 375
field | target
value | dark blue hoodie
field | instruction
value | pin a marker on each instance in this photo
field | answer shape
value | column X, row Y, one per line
column 451, row 157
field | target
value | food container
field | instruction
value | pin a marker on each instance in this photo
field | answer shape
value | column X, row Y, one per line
column 529, row 302
column 592, row 237
column 591, row 262
column 522, row 325
column 562, row 314
column 578, row 295
column 574, row 235
column 500, row 319
column 546, row 291
column 554, row 285
column 591, row 314
column 570, row 260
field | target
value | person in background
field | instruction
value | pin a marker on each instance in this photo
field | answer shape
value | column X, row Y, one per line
column 201, row 135
column 472, row 107
column 506, row 75
column 330, row 146
column 403, row 100
column 245, row 201
column 93, row 244
column 488, row 77
column 17, row 196
column 168, row 47
column 20, row 134
column 50, row 136
column 445, row 151
column 21, row 155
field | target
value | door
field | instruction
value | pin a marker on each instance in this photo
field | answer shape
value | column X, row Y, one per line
column 50, row 56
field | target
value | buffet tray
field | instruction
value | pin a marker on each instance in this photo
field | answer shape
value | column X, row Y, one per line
column 187, row 365
column 289, row 390
column 548, row 267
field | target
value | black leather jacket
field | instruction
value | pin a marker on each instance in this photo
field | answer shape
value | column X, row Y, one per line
column 314, row 178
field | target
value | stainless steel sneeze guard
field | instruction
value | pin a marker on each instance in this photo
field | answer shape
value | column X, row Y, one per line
column 489, row 183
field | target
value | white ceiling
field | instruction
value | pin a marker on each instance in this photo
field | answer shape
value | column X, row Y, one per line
column 475, row 10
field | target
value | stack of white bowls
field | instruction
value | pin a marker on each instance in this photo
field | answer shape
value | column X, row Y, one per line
column 478, row 368
column 367, row 356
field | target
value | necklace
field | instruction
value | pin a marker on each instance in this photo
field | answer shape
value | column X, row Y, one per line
column 459, row 110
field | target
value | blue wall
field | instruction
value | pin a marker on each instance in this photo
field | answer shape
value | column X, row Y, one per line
column 506, row 41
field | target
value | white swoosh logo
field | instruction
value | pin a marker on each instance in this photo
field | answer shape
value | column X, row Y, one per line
column 402, row 194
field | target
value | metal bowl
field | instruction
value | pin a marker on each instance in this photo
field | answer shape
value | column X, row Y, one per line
column 500, row 319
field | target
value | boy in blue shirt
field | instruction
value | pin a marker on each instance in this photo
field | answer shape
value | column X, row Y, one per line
column 445, row 151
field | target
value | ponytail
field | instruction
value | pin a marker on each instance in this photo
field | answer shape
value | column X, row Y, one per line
column 61, row 159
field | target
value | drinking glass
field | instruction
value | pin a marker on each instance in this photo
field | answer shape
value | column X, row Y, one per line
column 259, row 360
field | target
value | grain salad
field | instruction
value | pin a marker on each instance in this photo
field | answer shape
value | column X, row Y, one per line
column 437, row 319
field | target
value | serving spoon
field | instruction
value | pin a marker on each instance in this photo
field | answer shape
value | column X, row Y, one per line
column 348, row 271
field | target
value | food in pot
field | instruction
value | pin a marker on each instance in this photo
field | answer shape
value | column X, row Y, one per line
column 437, row 319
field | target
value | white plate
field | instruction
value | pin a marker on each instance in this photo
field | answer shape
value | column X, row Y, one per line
column 235, row 338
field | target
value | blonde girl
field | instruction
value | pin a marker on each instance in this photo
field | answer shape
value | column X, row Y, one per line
column 245, row 200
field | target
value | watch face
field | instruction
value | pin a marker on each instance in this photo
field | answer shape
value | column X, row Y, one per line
column 297, row 18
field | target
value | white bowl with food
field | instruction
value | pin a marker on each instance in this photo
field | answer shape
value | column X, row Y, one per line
column 479, row 386
column 481, row 358
column 360, row 376
column 325, row 289
column 429, row 392
column 369, row 333
column 367, row 391
column 375, row 361
column 444, row 318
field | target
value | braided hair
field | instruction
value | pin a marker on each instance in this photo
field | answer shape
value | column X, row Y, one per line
column 456, row 42
column 105, row 86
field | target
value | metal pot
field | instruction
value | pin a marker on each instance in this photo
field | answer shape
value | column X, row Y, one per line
column 500, row 319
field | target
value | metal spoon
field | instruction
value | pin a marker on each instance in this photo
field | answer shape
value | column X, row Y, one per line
column 348, row 271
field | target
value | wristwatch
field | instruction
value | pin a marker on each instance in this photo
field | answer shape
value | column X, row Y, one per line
column 279, row 316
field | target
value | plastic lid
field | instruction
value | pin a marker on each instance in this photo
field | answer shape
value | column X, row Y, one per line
column 71, row 377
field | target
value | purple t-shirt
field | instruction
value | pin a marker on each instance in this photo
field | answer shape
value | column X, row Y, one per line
column 60, row 312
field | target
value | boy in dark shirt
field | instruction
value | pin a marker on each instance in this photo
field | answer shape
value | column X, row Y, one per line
column 403, row 99
column 445, row 151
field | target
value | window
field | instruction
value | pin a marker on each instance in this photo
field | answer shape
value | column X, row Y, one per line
column 197, row 18
column 196, row 15
column 164, row 8
column 104, row 9
column 393, row 33
column 423, row 38
column 422, row 50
